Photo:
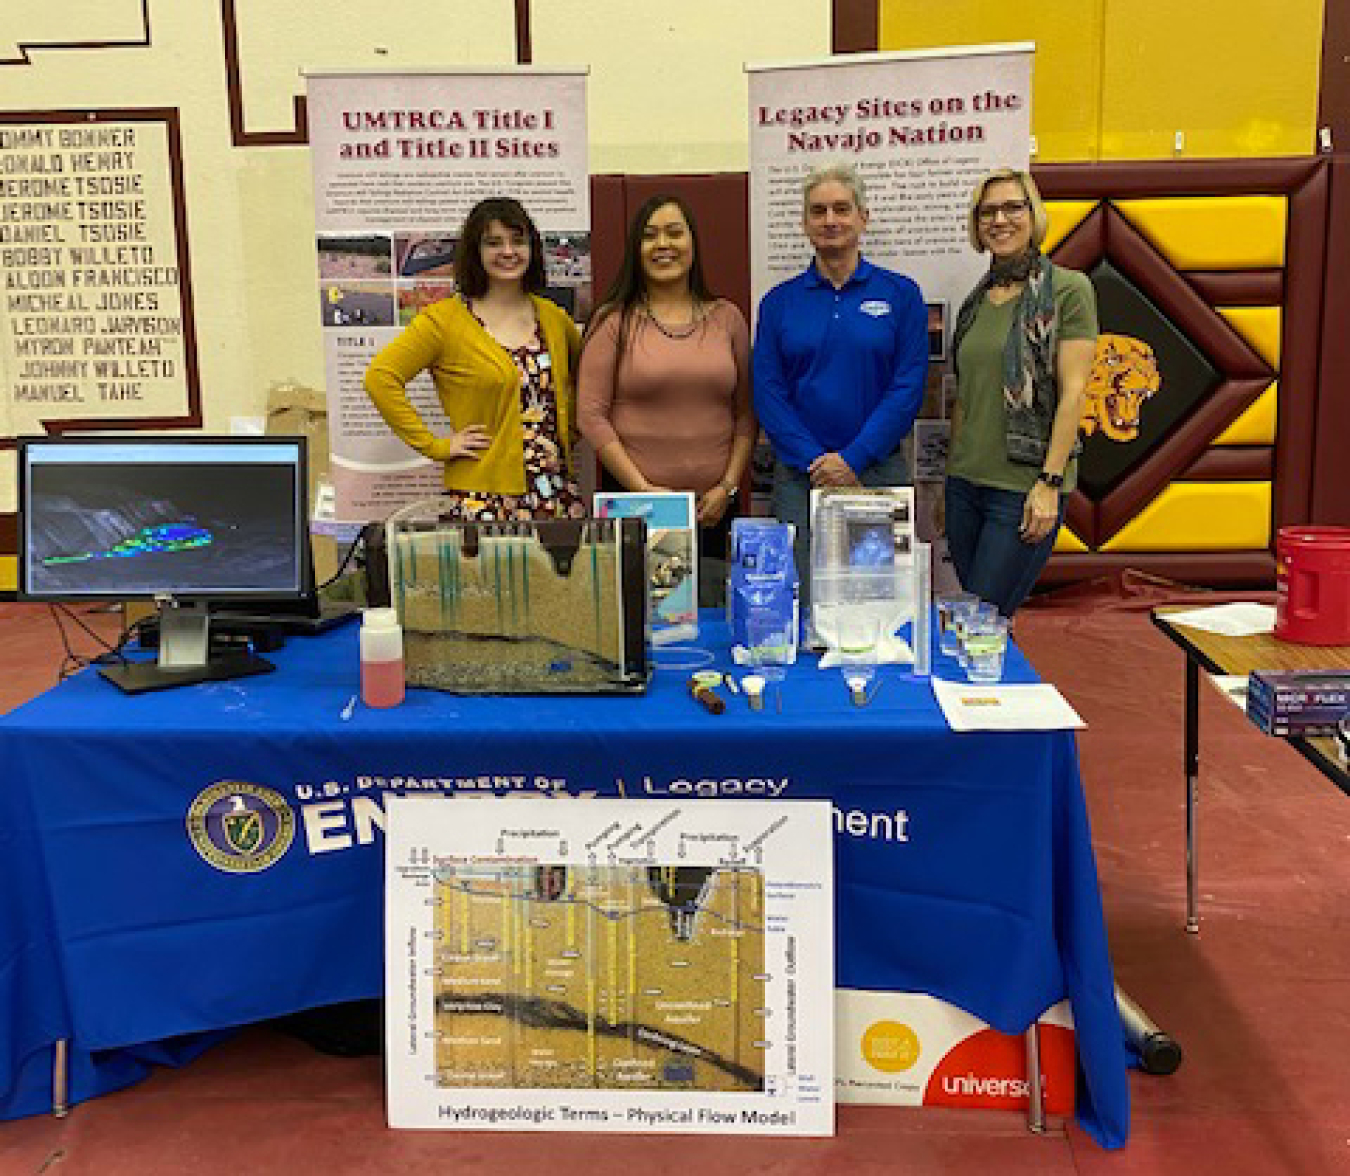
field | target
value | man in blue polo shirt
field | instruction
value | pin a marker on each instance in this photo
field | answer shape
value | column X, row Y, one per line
column 841, row 355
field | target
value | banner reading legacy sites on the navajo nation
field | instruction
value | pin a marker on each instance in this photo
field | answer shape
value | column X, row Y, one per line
column 399, row 160
column 920, row 127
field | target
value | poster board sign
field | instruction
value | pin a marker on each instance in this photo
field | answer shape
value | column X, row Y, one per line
column 932, row 441
column 614, row 966
column 399, row 159
column 672, row 557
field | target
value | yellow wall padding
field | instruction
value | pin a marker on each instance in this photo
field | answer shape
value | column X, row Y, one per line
column 1260, row 326
column 1256, row 426
column 1066, row 540
column 1200, row 516
column 1065, row 216
column 1066, row 83
column 1238, row 78
column 1213, row 232
column 9, row 573
column 1117, row 79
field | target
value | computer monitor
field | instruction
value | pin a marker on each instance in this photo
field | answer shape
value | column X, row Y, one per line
column 184, row 521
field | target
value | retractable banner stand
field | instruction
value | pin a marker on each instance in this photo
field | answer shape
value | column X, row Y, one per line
column 399, row 159
column 921, row 127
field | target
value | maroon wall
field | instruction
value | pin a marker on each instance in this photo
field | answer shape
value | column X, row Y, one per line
column 720, row 203
column 1329, row 475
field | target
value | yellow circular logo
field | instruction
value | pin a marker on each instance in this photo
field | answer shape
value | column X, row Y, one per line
column 240, row 828
column 890, row 1047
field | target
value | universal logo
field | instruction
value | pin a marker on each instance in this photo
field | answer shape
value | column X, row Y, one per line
column 240, row 828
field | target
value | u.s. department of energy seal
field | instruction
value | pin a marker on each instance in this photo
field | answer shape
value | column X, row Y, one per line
column 240, row 828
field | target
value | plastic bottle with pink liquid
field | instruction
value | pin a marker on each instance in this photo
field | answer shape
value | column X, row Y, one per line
column 381, row 658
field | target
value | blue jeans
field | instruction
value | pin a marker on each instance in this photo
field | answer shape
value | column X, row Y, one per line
column 990, row 557
column 791, row 503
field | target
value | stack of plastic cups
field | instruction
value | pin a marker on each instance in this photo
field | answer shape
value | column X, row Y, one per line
column 982, row 612
column 985, row 643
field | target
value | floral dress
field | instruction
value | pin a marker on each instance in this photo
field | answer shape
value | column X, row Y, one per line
column 550, row 491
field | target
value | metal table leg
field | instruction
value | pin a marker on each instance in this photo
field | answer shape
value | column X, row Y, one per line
column 1035, row 1101
column 61, row 1079
column 1192, row 756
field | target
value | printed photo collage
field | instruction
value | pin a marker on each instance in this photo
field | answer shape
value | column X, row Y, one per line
column 386, row 279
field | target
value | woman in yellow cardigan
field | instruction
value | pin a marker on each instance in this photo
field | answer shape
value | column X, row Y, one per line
column 501, row 357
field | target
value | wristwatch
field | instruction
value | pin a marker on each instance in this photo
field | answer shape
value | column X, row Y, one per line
column 1054, row 481
column 731, row 490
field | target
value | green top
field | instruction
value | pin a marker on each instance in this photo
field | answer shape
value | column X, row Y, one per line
column 979, row 453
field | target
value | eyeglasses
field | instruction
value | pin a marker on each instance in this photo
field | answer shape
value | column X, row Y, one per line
column 1011, row 209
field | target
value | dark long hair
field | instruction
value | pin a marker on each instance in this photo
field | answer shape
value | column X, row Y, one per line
column 470, row 276
column 630, row 286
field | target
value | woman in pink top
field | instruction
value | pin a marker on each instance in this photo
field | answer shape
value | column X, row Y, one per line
column 663, row 385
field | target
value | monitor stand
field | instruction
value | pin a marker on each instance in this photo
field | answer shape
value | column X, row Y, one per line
column 185, row 655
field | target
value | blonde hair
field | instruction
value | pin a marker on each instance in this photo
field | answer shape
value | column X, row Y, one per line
column 836, row 173
column 1040, row 223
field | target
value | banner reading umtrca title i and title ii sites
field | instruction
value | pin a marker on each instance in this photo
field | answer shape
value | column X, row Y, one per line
column 399, row 160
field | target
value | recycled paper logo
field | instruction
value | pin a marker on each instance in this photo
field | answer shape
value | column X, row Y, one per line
column 890, row 1046
column 240, row 828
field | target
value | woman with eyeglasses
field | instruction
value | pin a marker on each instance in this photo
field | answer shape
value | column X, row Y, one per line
column 664, row 380
column 1023, row 344
column 501, row 357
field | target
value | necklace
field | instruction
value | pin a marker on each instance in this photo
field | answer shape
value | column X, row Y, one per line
column 682, row 331
column 525, row 330
column 1012, row 271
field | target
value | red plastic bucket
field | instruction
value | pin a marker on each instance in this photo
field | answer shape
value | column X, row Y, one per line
column 1312, row 581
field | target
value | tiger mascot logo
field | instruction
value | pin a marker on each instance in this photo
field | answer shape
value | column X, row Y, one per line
column 1124, row 375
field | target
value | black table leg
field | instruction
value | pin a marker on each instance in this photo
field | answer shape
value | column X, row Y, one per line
column 1192, row 755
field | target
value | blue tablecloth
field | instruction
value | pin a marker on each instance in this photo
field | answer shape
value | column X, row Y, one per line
column 964, row 862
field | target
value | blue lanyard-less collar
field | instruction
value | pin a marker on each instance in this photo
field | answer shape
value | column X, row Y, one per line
column 863, row 270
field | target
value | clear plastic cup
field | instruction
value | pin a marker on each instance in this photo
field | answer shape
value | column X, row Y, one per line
column 986, row 645
column 951, row 607
column 769, row 638
column 859, row 631
column 982, row 611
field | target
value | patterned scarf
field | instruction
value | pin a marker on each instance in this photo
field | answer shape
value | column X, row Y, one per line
column 1030, row 394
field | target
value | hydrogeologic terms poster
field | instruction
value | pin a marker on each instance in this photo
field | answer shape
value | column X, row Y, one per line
column 611, row 966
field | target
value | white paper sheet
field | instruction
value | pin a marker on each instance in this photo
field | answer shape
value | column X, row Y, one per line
column 1242, row 618
column 996, row 706
column 1233, row 687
